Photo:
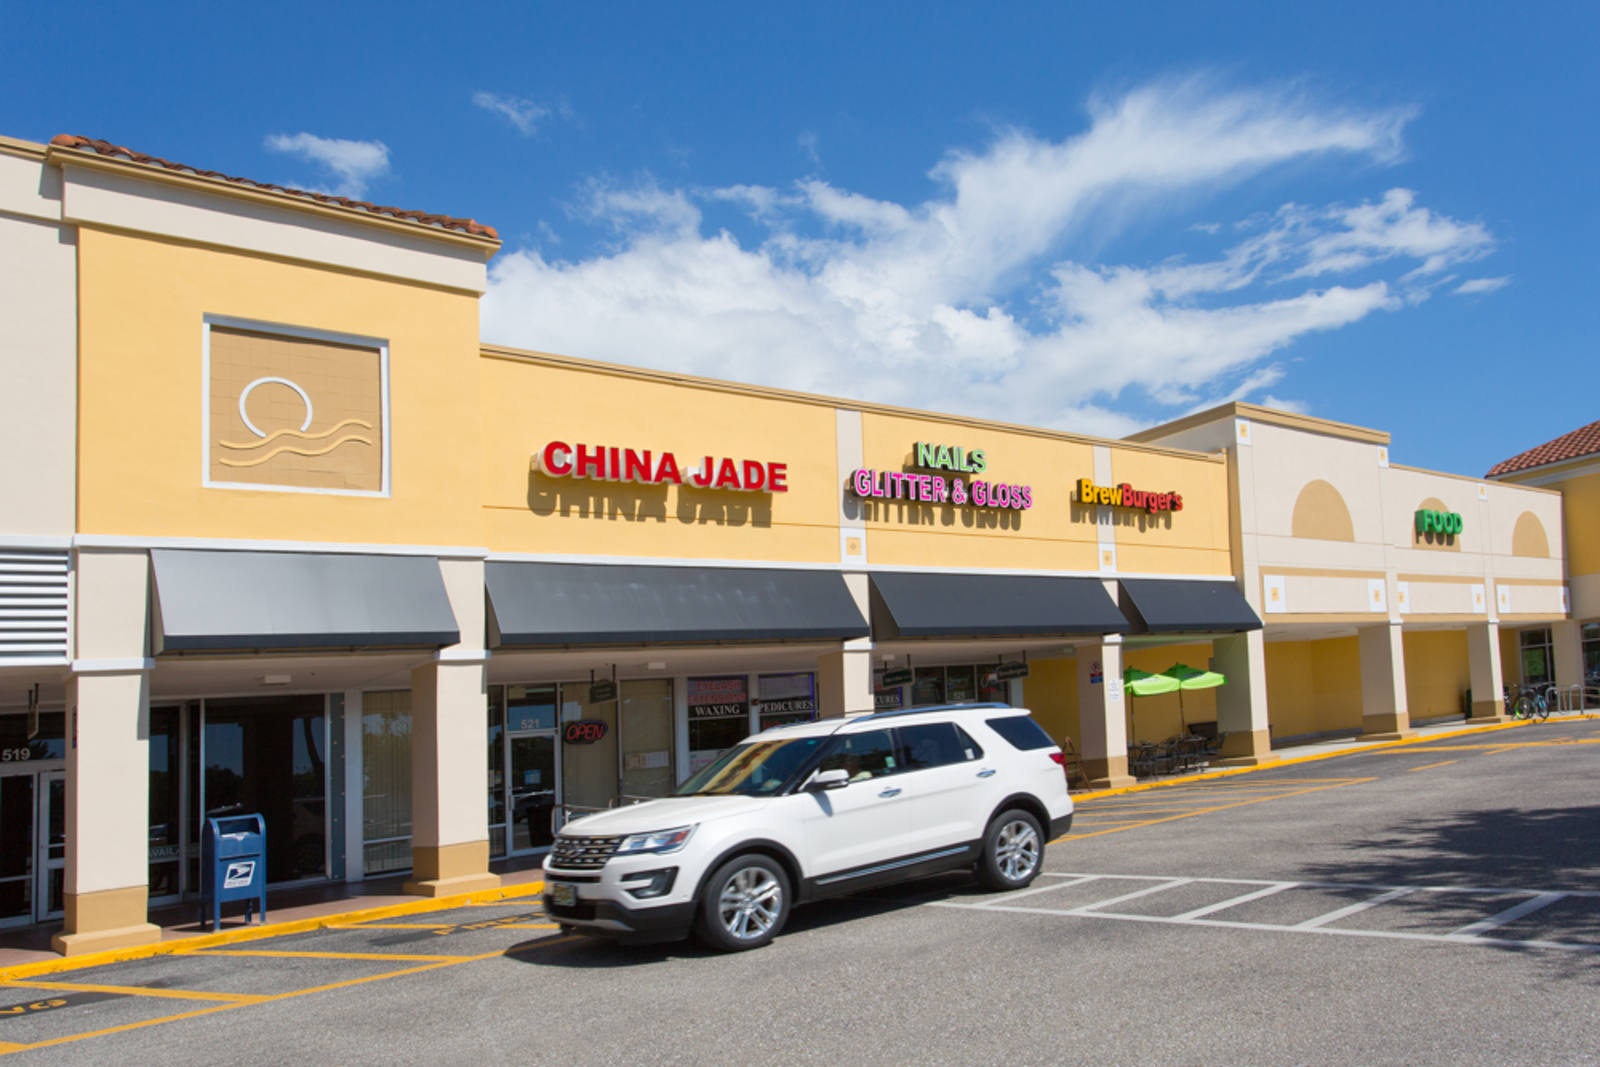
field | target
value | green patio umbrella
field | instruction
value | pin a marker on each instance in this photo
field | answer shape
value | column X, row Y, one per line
column 1188, row 677
column 1144, row 684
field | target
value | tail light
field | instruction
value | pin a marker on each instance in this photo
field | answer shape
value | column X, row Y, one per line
column 1059, row 758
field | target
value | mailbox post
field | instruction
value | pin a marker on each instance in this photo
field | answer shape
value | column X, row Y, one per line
column 233, row 866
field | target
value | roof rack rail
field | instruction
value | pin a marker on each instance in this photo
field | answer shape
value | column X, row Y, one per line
column 935, row 707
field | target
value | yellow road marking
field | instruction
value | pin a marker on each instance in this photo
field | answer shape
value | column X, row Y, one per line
column 271, row 954
column 390, row 926
column 1218, row 807
column 1430, row 766
column 136, row 991
column 448, row 962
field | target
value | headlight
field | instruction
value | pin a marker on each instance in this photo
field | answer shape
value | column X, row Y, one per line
column 657, row 841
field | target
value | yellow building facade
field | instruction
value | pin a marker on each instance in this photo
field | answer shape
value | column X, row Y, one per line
column 290, row 540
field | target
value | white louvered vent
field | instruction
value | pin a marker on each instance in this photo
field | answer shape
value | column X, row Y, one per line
column 33, row 603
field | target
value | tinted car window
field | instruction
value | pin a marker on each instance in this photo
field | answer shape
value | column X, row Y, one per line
column 1021, row 731
column 936, row 744
column 864, row 755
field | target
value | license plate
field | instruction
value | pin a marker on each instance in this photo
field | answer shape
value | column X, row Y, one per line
column 563, row 894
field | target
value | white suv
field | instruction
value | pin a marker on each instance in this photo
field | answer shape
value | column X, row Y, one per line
column 802, row 812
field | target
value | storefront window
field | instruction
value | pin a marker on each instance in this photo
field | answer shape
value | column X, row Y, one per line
column 588, row 771
column 719, row 716
column 1537, row 662
column 928, row 688
column 386, row 774
column 531, row 764
column 166, row 813
column 647, row 738
column 1591, row 653
column 497, row 771
column 959, row 686
column 786, row 698
column 941, row 685
column 267, row 757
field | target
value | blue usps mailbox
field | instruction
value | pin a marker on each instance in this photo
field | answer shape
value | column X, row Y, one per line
column 233, row 866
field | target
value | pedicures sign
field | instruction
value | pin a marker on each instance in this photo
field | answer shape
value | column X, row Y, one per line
column 920, row 488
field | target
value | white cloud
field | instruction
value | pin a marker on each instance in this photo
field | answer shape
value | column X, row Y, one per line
column 354, row 164
column 974, row 301
column 521, row 112
column 1482, row 285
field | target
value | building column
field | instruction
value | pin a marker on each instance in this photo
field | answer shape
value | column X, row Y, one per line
column 1483, row 672
column 1566, row 646
column 844, row 678
column 1102, row 716
column 1242, row 701
column 1384, row 714
column 106, row 891
column 449, row 739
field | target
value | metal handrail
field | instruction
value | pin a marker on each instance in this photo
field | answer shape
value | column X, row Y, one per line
column 561, row 814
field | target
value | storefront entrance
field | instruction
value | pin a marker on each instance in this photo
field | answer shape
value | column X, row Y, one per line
column 33, row 818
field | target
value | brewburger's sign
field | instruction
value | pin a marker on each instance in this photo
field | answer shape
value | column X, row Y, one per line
column 935, row 488
column 1126, row 496
column 610, row 463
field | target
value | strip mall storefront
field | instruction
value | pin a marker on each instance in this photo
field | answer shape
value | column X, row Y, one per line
column 315, row 559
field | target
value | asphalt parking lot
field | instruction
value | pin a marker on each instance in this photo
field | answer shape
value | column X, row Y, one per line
column 1421, row 903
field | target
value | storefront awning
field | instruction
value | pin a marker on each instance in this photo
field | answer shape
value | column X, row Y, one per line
column 533, row 604
column 226, row 601
column 975, row 605
column 1159, row 605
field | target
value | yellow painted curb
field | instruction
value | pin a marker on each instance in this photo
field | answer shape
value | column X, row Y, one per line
column 254, row 933
column 1371, row 746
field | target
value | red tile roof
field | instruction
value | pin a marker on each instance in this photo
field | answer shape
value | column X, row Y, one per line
column 1584, row 441
column 421, row 218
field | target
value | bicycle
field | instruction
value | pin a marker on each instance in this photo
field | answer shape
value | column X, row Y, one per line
column 1527, row 702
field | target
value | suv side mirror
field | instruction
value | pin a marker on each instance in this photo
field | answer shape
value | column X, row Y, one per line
column 837, row 778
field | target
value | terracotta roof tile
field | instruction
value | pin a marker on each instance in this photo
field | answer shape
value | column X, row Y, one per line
column 1584, row 441
column 421, row 218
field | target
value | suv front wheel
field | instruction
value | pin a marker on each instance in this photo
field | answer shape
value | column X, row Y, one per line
column 745, row 903
column 1013, row 850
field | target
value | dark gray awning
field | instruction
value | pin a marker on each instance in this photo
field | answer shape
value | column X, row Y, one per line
column 597, row 604
column 216, row 600
column 974, row 605
column 1163, row 605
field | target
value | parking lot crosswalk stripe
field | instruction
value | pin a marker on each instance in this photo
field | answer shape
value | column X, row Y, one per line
column 1264, row 891
column 1352, row 909
column 284, row 954
column 137, row 991
column 1093, row 909
column 1512, row 914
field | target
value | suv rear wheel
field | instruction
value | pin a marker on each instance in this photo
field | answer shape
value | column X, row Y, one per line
column 1013, row 851
column 745, row 903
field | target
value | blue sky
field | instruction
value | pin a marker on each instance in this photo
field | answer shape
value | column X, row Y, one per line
column 1086, row 217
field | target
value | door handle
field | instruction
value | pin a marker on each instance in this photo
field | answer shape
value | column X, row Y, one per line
column 890, row 793
column 988, row 772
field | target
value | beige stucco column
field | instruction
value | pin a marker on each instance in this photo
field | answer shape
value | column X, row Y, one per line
column 1102, row 715
column 1483, row 672
column 844, row 678
column 1566, row 645
column 1242, row 702
column 1384, row 714
column 106, row 894
column 449, row 742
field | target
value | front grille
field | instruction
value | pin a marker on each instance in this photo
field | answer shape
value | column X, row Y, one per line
column 574, row 853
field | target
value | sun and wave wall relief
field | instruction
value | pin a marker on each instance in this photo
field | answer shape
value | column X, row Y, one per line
column 295, row 412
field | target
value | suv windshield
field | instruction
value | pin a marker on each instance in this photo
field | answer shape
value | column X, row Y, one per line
column 755, row 769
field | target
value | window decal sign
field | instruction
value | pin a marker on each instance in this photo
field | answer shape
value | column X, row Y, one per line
column 612, row 463
column 1126, row 496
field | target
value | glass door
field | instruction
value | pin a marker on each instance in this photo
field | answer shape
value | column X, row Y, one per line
column 18, row 819
column 648, row 768
column 53, row 841
column 534, row 785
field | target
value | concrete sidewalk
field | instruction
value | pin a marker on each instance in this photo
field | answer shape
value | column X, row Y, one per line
column 29, row 952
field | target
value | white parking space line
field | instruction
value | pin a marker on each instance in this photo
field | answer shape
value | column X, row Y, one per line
column 1360, row 906
column 1264, row 891
column 1471, row 934
column 1493, row 922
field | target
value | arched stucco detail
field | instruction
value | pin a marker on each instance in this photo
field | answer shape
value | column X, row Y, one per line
column 1320, row 513
column 1528, row 537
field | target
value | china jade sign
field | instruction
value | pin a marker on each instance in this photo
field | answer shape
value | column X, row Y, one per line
column 962, row 488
